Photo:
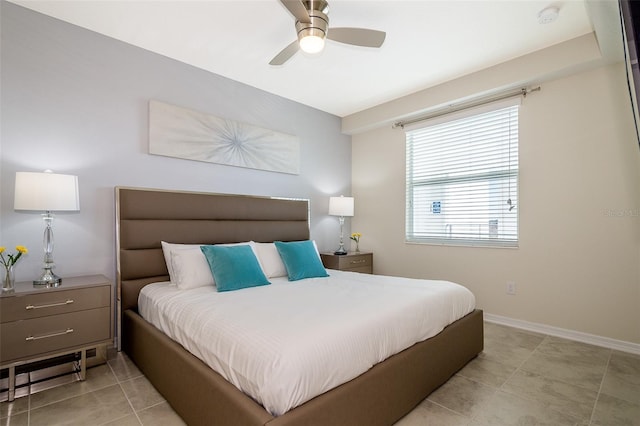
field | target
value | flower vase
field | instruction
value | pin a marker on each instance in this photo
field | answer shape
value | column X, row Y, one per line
column 8, row 278
column 357, row 247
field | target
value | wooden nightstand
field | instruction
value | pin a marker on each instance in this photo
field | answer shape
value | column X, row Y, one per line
column 38, row 324
column 352, row 261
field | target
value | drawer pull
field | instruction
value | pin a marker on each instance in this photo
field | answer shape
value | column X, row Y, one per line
column 66, row 302
column 353, row 262
column 60, row 333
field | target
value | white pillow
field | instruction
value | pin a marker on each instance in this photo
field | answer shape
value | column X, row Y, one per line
column 270, row 259
column 167, row 248
column 190, row 269
column 192, row 260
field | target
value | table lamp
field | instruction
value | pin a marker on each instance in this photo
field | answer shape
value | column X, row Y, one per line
column 341, row 206
column 46, row 192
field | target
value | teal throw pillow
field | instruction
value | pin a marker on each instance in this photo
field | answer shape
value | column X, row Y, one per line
column 234, row 267
column 301, row 259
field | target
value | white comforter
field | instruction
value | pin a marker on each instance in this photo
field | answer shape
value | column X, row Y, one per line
column 288, row 342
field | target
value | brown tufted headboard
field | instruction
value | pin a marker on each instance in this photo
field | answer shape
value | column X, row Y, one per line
column 144, row 217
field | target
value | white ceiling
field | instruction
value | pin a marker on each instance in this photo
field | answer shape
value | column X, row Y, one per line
column 428, row 42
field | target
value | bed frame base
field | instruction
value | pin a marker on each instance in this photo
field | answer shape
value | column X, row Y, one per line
column 381, row 396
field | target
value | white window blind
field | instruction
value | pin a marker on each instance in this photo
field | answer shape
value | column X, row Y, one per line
column 462, row 178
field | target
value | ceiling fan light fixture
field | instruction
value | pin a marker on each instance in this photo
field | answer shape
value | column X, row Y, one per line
column 311, row 40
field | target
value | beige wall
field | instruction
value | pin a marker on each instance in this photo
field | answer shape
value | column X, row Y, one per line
column 577, row 266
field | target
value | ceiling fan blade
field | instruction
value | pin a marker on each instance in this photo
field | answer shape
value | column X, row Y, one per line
column 297, row 9
column 285, row 54
column 357, row 36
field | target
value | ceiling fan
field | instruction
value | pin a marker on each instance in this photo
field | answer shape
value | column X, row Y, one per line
column 312, row 27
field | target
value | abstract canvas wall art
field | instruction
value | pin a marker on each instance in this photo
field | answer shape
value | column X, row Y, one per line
column 184, row 133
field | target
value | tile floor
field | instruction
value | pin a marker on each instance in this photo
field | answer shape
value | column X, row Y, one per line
column 521, row 378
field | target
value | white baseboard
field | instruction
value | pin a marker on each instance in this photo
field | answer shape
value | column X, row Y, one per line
column 592, row 339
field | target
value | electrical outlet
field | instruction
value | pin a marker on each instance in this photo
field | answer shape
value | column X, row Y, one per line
column 511, row 288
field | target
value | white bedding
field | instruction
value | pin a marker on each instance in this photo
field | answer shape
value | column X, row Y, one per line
column 288, row 342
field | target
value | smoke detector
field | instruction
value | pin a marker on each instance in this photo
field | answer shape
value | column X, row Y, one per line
column 548, row 15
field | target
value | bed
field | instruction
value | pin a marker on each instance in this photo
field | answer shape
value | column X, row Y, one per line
column 379, row 396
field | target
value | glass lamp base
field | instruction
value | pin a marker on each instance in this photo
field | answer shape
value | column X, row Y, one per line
column 341, row 251
column 48, row 279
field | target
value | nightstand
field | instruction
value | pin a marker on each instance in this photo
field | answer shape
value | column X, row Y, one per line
column 352, row 261
column 39, row 324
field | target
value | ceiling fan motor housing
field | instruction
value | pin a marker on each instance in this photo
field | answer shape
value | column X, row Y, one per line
column 317, row 25
column 319, row 5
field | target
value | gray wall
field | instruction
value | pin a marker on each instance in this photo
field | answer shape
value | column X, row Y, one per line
column 76, row 102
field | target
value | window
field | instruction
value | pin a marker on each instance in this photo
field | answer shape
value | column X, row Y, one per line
column 462, row 177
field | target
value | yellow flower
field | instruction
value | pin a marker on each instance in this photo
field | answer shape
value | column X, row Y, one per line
column 355, row 236
column 11, row 259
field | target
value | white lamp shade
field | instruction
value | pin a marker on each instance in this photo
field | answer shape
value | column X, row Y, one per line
column 46, row 192
column 341, row 206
